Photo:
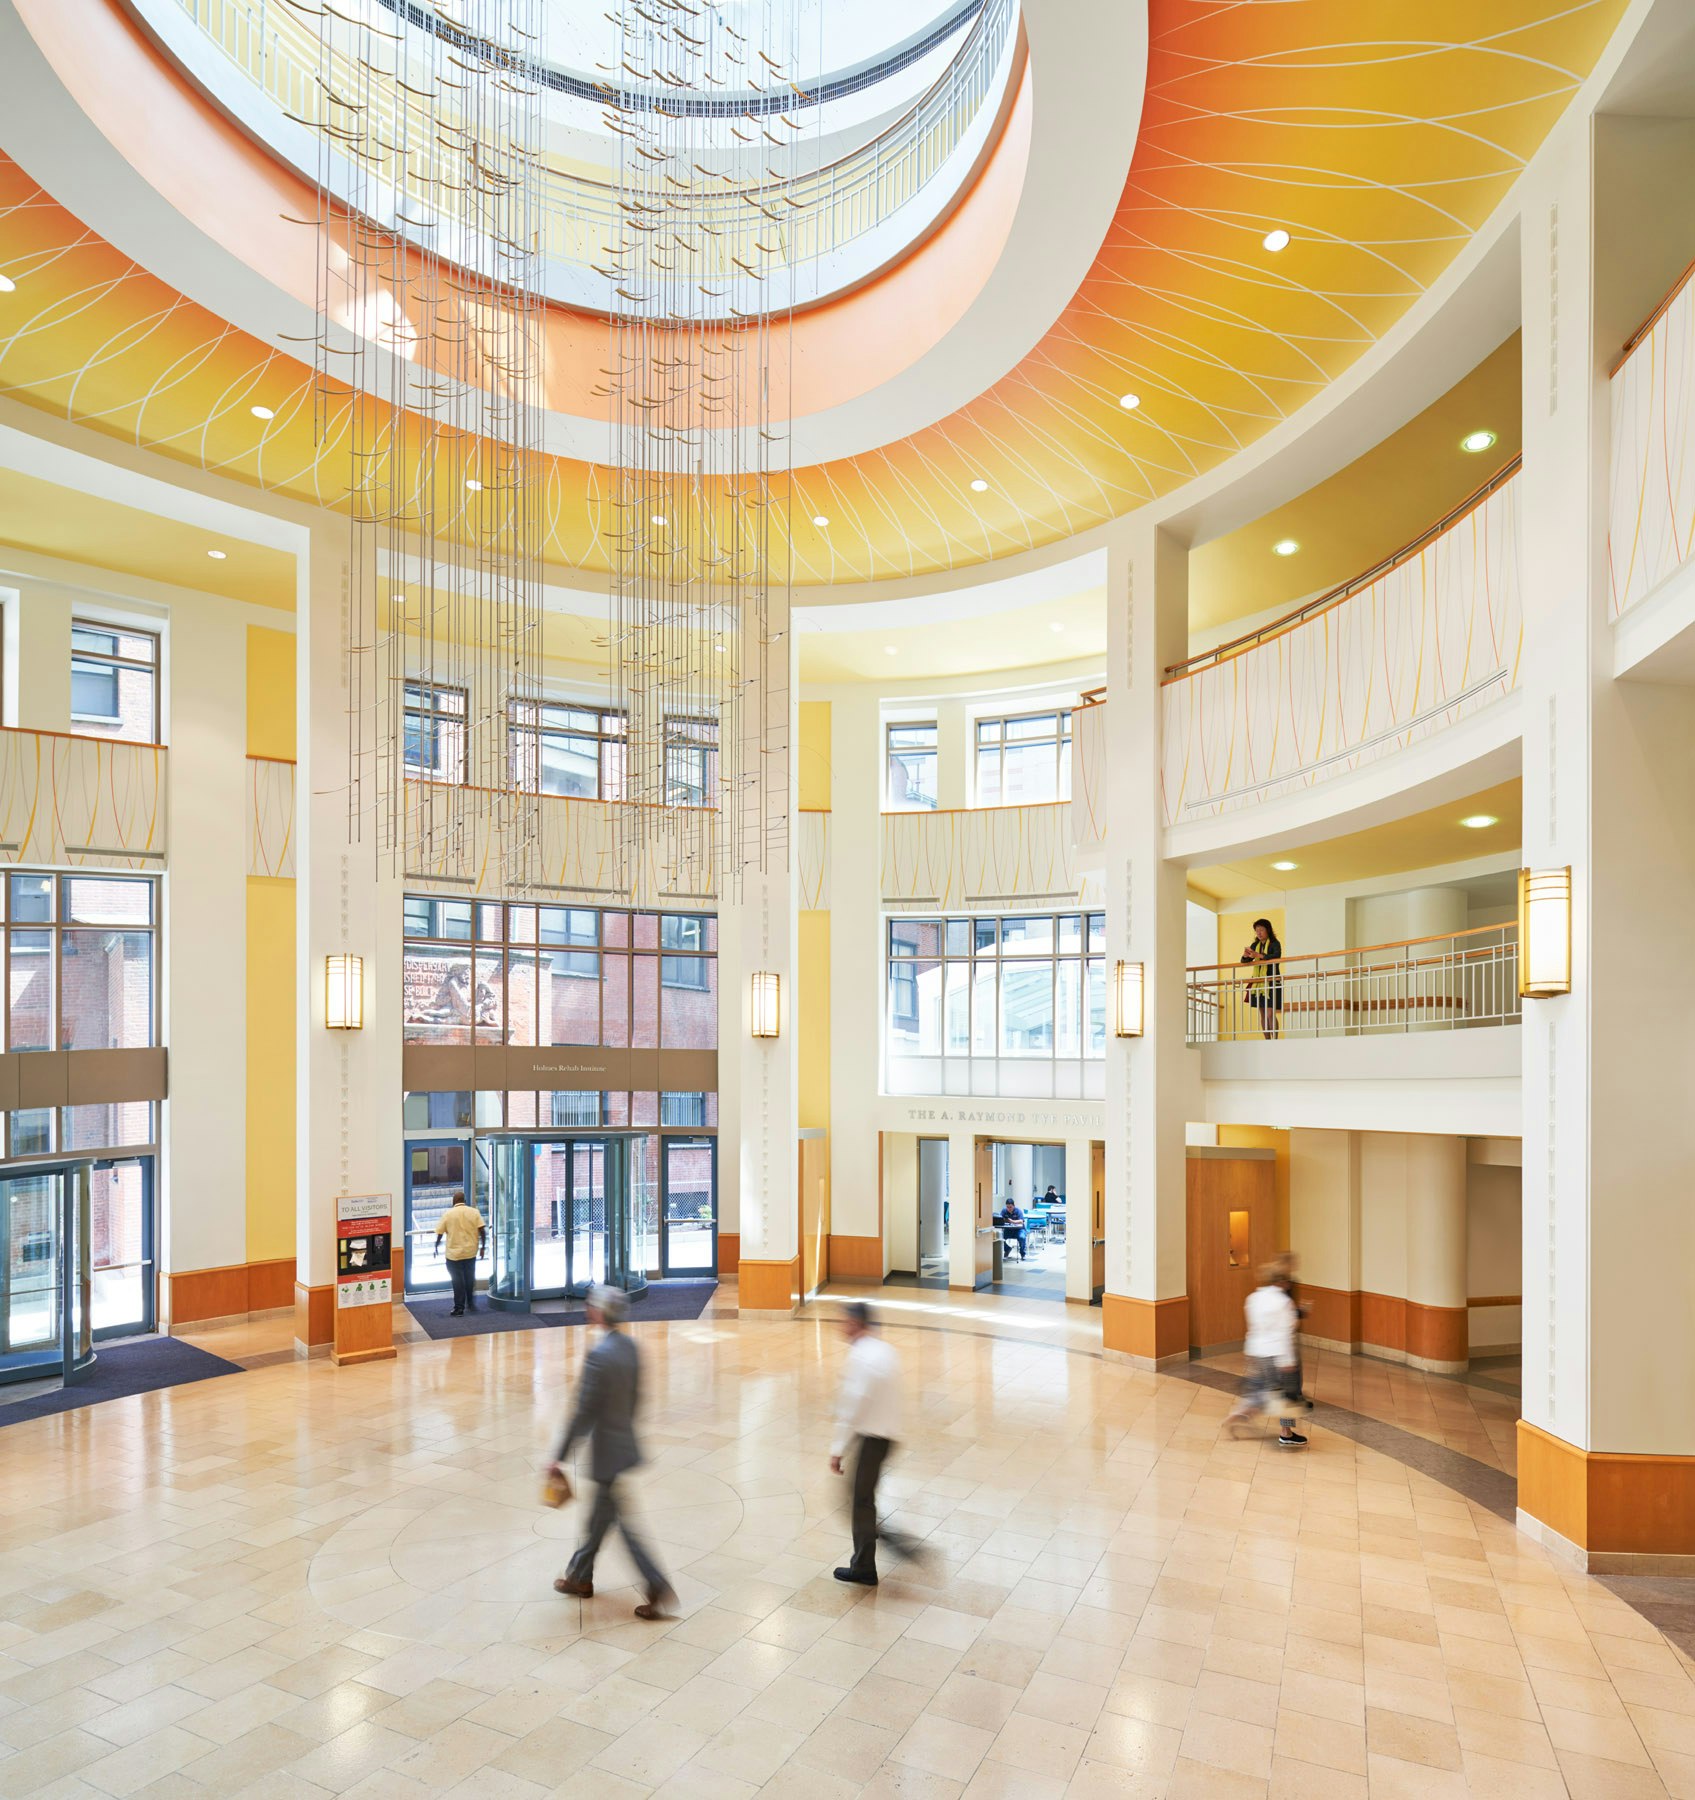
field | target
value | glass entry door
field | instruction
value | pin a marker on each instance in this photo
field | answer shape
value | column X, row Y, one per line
column 562, row 1220
column 691, row 1207
column 438, row 1167
column 46, row 1272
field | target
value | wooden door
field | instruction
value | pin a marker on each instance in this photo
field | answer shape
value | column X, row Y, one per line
column 983, row 1215
column 1096, row 1221
column 1232, row 1235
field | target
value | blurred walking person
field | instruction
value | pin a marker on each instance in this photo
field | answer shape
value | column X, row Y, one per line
column 868, row 1422
column 467, row 1237
column 1270, row 1349
column 605, row 1414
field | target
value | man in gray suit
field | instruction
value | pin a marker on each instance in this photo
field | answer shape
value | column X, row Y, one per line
column 605, row 1414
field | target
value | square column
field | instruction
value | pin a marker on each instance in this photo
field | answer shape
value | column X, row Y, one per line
column 347, row 1088
column 759, row 1118
column 1145, row 1312
column 1080, row 1220
column 1607, row 1440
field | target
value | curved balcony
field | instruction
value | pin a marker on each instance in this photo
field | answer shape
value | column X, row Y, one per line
column 844, row 222
column 1651, row 503
column 1451, row 982
column 1420, row 642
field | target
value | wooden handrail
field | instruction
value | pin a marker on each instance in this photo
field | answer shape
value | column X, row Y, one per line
column 1634, row 342
column 1282, row 962
column 1335, row 596
column 1090, row 697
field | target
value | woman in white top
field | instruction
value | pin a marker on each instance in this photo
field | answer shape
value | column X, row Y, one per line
column 1270, row 1349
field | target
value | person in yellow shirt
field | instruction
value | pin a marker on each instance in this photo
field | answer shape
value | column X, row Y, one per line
column 466, row 1234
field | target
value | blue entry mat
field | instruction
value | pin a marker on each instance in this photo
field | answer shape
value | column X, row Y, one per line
column 136, row 1368
column 662, row 1300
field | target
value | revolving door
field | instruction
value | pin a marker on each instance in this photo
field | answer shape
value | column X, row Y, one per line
column 46, row 1271
column 567, row 1210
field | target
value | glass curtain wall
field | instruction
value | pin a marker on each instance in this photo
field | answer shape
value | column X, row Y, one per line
column 81, row 973
column 1008, row 1007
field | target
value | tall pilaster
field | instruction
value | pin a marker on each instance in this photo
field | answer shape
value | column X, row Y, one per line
column 761, row 928
column 347, row 1091
column 1145, row 1312
column 1607, row 1441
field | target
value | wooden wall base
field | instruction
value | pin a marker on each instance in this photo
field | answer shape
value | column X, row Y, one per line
column 768, row 1286
column 856, row 1258
column 729, row 1252
column 198, row 1296
column 1148, row 1332
column 314, row 1316
column 1607, row 1504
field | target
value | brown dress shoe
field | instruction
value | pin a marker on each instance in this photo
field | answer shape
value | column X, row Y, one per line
column 579, row 1590
column 661, row 1603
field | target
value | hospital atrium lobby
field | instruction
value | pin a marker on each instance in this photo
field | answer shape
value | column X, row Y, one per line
column 1028, row 664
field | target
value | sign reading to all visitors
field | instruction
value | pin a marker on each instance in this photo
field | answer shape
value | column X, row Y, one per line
column 364, row 1232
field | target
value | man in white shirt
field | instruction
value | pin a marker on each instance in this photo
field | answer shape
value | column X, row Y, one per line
column 867, row 1415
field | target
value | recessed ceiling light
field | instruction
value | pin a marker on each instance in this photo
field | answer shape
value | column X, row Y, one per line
column 890, row 650
column 1284, row 547
column 1276, row 240
column 1285, row 867
column 1480, row 821
column 7, row 285
column 1056, row 626
column 720, row 649
column 1129, row 401
column 820, row 520
column 262, row 412
column 979, row 486
column 217, row 555
column 659, row 520
column 476, row 487
column 1476, row 441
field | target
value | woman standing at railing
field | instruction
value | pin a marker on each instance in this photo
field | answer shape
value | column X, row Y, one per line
column 1265, row 991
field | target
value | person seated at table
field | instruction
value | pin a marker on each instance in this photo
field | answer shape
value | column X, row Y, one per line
column 1011, row 1222
column 1051, row 1197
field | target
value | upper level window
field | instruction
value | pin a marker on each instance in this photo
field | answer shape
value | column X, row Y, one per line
column 911, row 767
column 81, row 967
column 1024, row 759
column 577, row 751
column 115, row 681
column 691, row 762
column 437, row 744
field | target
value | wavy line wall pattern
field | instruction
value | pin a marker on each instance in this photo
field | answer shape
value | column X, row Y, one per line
column 812, row 860
column 1088, row 780
column 1435, row 639
column 270, row 818
column 1651, row 511
column 81, row 802
column 989, row 853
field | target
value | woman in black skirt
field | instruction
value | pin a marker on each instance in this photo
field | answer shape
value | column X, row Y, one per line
column 1265, row 992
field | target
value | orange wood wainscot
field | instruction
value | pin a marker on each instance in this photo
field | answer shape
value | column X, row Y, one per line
column 772, row 1287
column 1609, row 1512
column 198, row 1296
column 1149, row 1332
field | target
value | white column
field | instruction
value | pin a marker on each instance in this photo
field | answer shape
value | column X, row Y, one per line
column 1145, row 1311
column 763, row 1133
column 348, row 1088
column 962, row 1210
column 1079, row 1219
column 1324, row 1231
column 1609, row 1132
column 1020, row 1173
column 1436, row 1261
column 856, row 980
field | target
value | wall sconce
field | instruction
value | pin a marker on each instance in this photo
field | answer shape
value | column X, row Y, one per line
column 1127, row 999
column 767, row 1004
column 1544, row 932
column 344, row 993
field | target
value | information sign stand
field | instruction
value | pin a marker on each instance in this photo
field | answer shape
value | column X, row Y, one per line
column 364, row 1278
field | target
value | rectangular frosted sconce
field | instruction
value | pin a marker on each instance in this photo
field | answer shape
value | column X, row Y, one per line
column 767, row 1003
column 344, row 993
column 1544, row 932
column 1127, row 1001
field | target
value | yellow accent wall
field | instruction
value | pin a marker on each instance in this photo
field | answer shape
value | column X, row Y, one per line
column 270, row 973
column 270, row 1068
column 1266, row 1137
column 1235, row 928
column 813, row 764
column 270, row 693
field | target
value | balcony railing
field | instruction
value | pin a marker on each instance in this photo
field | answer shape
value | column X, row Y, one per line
column 1445, row 983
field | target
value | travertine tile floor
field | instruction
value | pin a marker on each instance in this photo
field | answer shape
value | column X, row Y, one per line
column 298, row 1581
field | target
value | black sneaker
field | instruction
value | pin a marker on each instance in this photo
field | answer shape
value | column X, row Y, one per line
column 858, row 1580
column 1290, row 1440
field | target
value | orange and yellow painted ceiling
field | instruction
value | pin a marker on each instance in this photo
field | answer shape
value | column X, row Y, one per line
column 1379, row 134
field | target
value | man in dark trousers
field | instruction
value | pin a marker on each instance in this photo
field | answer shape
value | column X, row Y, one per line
column 606, row 1412
column 867, row 1422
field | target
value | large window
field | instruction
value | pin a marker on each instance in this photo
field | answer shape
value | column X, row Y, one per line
column 910, row 781
column 81, row 970
column 437, row 743
column 691, row 762
column 1007, row 1007
column 114, row 681
column 81, row 963
column 577, row 751
column 486, row 972
column 1024, row 760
